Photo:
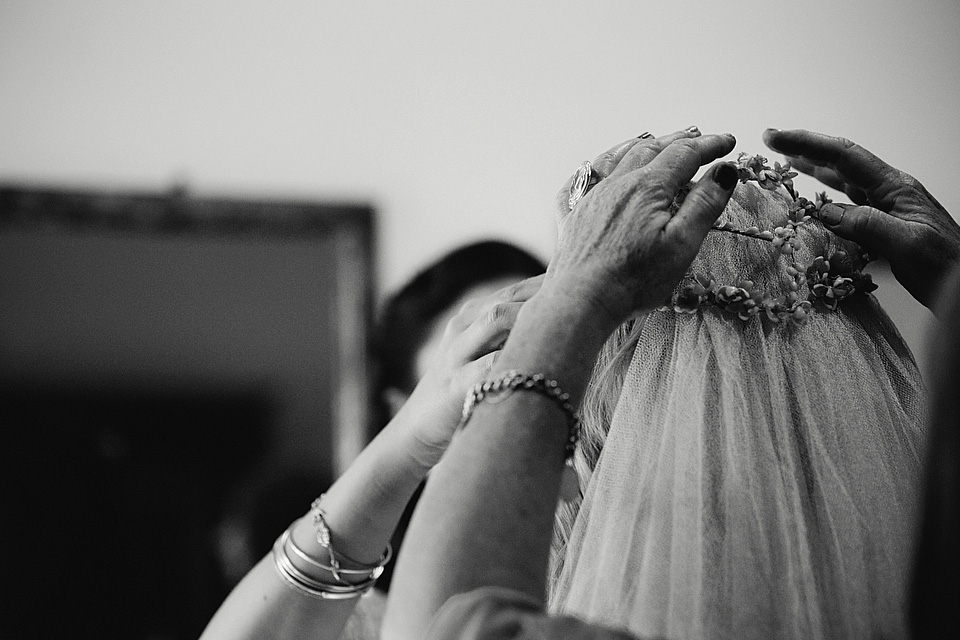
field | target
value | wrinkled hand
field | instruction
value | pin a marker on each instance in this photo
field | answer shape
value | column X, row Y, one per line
column 642, row 150
column 622, row 249
column 894, row 216
column 470, row 343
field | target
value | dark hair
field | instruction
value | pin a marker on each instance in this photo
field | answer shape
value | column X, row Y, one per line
column 408, row 318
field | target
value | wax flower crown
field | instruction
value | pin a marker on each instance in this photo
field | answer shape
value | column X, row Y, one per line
column 828, row 280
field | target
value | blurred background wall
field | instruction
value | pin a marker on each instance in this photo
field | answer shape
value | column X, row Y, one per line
column 457, row 119
column 453, row 120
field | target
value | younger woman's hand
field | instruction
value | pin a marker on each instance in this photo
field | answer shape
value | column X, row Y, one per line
column 470, row 343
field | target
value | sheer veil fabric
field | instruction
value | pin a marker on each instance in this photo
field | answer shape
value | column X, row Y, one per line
column 758, row 478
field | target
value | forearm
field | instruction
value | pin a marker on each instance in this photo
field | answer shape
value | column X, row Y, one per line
column 264, row 605
column 486, row 516
column 363, row 506
column 362, row 510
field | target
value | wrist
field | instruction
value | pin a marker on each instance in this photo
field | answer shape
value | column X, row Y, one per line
column 416, row 454
column 580, row 306
column 597, row 302
column 559, row 334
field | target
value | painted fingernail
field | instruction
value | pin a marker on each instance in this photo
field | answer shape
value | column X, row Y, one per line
column 693, row 129
column 726, row 176
column 831, row 214
column 645, row 135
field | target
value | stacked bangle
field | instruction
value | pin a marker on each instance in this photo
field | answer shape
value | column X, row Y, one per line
column 310, row 585
column 325, row 539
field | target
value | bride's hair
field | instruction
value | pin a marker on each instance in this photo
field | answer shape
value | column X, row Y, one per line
column 596, row 412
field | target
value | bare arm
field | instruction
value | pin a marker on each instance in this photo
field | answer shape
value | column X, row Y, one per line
column 364, row 505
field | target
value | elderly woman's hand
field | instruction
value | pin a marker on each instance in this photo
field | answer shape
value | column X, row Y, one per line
column 624, row 247
column 643, row 149
column 894, row 216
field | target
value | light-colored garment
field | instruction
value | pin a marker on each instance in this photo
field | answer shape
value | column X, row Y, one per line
column 758, row 480
column 502, row 614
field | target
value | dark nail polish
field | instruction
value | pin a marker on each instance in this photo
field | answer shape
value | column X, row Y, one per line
column 693, row 129
column 769, row 139
column 726, row 176
column 645, row 135
column 831, row 215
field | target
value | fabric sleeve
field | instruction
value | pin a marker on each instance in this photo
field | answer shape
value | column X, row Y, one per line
column 503, row 614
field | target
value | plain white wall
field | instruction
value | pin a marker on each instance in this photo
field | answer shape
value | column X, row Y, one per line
column 458, row 120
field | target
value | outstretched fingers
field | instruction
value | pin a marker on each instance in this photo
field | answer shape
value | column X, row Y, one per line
column 607, row 162
column 853, row 163
column 676, row 165
column 828, row 176
column 622, row 159
column 642, row 153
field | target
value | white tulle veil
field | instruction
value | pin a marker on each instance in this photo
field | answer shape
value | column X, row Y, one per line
column 757, row 475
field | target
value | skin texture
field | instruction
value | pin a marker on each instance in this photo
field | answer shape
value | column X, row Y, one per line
column 364, row 505
column 893, row 214
column 633, row 202
column 486, row 515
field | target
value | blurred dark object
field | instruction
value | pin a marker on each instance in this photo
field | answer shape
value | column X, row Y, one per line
column 156, row 352
column 110, row 500
column 258, row 508
column 935, row 596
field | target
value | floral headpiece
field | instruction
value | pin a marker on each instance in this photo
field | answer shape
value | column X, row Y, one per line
column 827, row 280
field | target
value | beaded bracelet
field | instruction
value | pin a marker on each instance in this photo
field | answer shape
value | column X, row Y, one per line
column 516, row 381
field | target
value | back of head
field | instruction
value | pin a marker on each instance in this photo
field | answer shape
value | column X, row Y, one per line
column 761, row 450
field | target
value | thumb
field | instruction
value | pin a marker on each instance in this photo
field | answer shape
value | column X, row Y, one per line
column 867, row 226
column 705, row 202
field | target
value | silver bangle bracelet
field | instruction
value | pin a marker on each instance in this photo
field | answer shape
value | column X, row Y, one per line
column 325, row 539
column 373, row 571
column 311, row 586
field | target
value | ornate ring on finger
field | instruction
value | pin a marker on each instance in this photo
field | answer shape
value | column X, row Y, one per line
column 583, row 181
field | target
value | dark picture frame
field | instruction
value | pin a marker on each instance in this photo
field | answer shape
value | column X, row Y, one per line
column 163, row 356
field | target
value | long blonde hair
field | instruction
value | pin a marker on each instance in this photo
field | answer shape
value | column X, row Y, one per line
column 596, row 413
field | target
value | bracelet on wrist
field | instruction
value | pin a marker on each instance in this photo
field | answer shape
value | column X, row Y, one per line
column 515, row 381
column 364, row 575
column 325, row 539
column 308, row 585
